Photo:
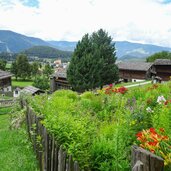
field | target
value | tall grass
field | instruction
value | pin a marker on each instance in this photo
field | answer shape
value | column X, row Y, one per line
column 15, row 150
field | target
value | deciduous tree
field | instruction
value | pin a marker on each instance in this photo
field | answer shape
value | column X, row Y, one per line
column 159, row 55
column 21, row 67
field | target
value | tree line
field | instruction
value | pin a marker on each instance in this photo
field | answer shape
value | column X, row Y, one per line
column 159, row 55
column 21, row 68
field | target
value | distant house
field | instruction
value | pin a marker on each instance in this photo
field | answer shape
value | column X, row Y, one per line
column 163, row 68
column 16, row 92
column 32, row 90
column 132, row 71
column 57, row 62
column 5, row 82
column 59, row 80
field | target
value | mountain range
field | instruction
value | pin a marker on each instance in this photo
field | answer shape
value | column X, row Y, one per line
column 14, row 42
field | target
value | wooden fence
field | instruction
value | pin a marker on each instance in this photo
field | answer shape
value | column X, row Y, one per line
column 50, row 155
column 143, row 160
column 6, row 103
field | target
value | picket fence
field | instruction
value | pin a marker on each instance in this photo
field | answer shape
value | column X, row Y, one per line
column 52, row 157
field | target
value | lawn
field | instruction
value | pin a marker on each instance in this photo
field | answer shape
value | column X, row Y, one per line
column 15, row 150
column 20, row 83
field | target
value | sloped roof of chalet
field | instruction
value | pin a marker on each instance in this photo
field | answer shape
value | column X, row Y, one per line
column 31, row 90
column 135, row 66
column 162, row 62
column 61, row 72
column 5, row 74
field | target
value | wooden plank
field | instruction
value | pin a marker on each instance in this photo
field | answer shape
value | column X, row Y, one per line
column 156, row 163
column 27, row 122
column 64, row 160
column 61, row 159
column 60, row 156
column 76, row 166
column 49, row 151
column 138, row 166
column 52, row 154
column 70, row 163
column 45, row 149
column 39, row 127
column 145, row 158
column 33, row 118
column 56, row 157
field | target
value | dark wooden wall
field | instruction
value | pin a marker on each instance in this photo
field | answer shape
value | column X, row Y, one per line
column 5, row 82
column 163, row 71
column 127, row 74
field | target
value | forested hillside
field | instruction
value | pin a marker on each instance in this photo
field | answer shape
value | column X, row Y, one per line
column 47, row 52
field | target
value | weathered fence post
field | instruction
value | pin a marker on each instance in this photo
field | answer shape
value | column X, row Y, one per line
column 138, row 166
column 61, row 159
column 143, row 160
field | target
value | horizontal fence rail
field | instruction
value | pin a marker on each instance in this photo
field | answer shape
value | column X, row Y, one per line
column 6, row 103
column 50, row 154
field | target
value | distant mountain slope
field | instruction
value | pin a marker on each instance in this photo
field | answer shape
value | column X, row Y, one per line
column 14, row 42
column 125, row 50
column 137, row 50
column 63, row 45
column 47, row 52
column 3, row 47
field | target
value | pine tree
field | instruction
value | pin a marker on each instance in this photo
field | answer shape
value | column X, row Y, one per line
column 93, row 62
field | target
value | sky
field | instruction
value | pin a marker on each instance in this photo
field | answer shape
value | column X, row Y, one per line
column 142, row 21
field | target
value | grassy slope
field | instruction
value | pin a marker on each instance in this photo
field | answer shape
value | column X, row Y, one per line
column 20, row 83
column 15, row 151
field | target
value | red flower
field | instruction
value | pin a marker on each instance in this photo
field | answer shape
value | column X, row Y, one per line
column 152, row 130
column 153, row 143
column 152, row 150
column 161, row 129
column 167, row 101
column 139, row 134
column 165, row 138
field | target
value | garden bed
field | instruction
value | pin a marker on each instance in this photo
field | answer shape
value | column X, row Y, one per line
column 99, row 130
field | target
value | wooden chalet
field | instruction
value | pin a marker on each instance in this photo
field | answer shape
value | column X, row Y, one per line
column 59, row 81
column 163, row 69
column 132, row 71
column 5, row 82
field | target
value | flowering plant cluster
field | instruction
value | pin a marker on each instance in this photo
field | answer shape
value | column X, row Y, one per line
column 161, row 99
column 110, row 90
column 154, row 86
column 157, row 142
column 167, row 102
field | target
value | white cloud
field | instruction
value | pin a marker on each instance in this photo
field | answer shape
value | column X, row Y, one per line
column 145, row 21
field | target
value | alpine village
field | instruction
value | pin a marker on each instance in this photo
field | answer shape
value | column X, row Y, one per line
column 83, row 106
